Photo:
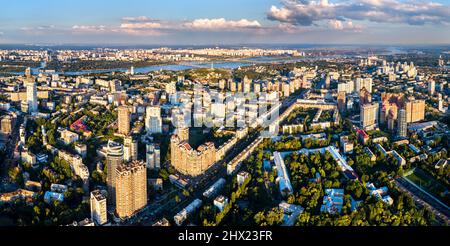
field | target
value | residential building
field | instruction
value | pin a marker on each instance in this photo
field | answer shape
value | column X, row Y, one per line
column 131, row 188
column 98, row 207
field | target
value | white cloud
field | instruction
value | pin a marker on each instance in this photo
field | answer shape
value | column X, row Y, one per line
column 411, row 12
column 144, row 25
column 221, row 24
column 89, row 28
column 344, row 25
column 137, row 19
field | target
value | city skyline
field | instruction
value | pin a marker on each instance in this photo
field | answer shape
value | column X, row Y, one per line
column 202, row 22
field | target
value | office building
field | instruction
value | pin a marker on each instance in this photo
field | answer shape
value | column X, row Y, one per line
column 131, row 189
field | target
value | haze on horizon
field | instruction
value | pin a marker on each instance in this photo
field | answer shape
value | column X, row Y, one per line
column 203, row 22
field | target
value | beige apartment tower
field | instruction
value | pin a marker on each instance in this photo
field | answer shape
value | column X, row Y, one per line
column 124, row 120
column 415, row 110
column 369, row 115
column 131, row 188
column 190, row 161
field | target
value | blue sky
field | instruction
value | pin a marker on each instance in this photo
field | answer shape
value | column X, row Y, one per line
column 225, row 21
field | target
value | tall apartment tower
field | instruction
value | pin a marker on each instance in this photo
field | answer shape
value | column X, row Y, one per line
column 415, row 110
column 369, row 115
column 98, row 207
column 363, row 83
column 327, row 81
column 431, row 87
column 440, row 103
column 114, row 159
column 183, row 133
column 31, row 95
column 402, row 124
column 130, row 149
column 153, row 120
column 341, row 101
column 131, row 192
column 153, row 156
column 124, row 120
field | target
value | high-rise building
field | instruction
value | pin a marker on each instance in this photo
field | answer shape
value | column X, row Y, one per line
column 153, row 156
column 440, row 103
column 98, row 207
column 183, row 133
column 363, row 83
column 131, row 190
column 364, row 96
column 402, row 124
column 246, row 84
column 114, row 159
column 171, row 88
column 7, row 124
column 124, row 120
column 190, row 161
column 431, row 87
column 153, row 120
column 28, row 72
column 341, row 101
column 415, row 110
column 369, row 115
column 130, row 149
column 327, row 81
column 32, row 96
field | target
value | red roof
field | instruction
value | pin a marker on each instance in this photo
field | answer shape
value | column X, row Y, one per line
column 362, row 133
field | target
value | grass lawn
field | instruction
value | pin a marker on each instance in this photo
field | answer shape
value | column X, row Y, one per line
column 428, row 183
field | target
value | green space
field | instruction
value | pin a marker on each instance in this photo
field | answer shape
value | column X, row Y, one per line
column 429, row 184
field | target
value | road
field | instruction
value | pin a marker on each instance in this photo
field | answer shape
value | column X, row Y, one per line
column 155, row 211
column 423, row 199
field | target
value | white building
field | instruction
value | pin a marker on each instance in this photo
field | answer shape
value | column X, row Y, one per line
column 98, row 207
column 153, row 120
column 153, row 156
column 32, row 99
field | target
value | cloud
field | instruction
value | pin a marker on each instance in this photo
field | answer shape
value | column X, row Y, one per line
column 144, row 25
column 344, row 25
column 38, row 28
column 137, row 19
column 89, row 28
column 308, row 13
column 221, row 24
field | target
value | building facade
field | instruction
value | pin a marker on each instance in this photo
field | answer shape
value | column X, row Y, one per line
column 131, row 189
column 114, row 158
column 190, row 161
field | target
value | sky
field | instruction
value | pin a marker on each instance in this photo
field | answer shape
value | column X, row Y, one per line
column 216, row 22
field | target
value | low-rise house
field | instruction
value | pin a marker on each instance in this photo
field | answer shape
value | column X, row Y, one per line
column 332, row 201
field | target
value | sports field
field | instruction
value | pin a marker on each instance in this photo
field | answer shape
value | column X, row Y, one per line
column 428, row 183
